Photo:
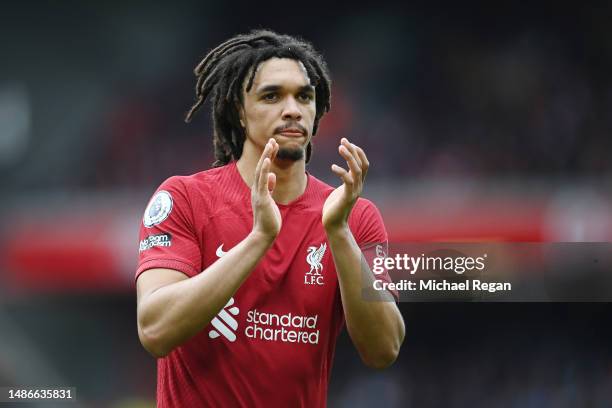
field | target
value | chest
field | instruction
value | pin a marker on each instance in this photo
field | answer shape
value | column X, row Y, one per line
column 296, row 274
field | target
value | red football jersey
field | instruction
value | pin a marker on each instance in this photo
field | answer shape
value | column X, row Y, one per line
column 273, row 343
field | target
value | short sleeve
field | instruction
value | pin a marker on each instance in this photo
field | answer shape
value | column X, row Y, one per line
column 371, row 236
column 167, row 235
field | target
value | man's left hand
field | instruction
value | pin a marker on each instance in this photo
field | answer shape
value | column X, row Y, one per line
column 338, row 205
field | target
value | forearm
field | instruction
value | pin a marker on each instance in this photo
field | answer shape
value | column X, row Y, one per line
column 375, row 327
column 174, row 313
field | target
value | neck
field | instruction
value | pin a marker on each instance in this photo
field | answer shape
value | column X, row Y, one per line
column 291, row 177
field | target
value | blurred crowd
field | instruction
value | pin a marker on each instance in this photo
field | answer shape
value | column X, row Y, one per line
column 422, row 98
column 427, row 92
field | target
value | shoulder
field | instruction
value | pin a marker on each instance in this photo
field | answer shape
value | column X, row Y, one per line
column 201, row 179
column 365, row 210
column 364, row 204
column 199, row 183
column 192, row 191
column 367, row 223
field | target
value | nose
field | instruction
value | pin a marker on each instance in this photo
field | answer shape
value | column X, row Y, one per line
column 291, row 109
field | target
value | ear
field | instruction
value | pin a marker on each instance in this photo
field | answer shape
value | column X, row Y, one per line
column 240, row 111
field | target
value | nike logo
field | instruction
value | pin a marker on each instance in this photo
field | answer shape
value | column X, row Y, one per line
column 220, row 252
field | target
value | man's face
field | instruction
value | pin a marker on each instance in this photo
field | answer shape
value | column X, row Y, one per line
column 280, row 104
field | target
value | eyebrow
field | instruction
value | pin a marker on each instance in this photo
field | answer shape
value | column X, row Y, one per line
column 276, row 88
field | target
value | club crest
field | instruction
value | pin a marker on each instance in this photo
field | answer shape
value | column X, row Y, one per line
column 314, row 258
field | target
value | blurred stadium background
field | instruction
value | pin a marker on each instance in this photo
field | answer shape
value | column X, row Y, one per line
column 481, row 122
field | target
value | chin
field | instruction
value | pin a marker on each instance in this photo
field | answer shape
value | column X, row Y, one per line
column 291, row 153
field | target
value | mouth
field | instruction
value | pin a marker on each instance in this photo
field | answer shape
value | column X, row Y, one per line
column 291, row 133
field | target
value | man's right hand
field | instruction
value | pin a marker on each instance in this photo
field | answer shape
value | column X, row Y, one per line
column 266, row 215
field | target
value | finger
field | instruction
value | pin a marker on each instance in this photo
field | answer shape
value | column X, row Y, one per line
column 351, row 161
column 263, row 178
column 339, row 171
column 274, row 152
column 264, row 154
column 343, row 174
column 271, row 182
column 352, row 148
column 354, row 164
column 365, row 164
column 259, row 164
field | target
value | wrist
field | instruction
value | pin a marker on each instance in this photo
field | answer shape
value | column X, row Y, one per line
column 338, row 230
column 261, row 237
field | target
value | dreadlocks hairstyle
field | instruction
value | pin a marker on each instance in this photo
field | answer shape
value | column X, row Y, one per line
column 221, row 75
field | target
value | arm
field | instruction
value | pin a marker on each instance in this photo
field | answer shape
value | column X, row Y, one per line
column 172, row 308
column 376, row 328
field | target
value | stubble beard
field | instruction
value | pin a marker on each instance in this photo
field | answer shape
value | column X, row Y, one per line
column 290, row 153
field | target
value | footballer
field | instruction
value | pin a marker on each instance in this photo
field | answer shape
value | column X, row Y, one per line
column 249, row 270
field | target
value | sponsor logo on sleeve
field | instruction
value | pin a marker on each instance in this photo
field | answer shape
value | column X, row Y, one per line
column 381, row 255
column 380, row 251
column 158, row 210
column 159, row 240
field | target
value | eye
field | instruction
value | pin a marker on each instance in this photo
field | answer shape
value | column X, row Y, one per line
column 305, row 97
column 271, row 97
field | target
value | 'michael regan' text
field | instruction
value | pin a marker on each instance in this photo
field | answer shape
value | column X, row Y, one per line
column 443, row 285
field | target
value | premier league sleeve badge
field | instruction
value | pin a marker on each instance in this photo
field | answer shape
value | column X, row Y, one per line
column 158, row 210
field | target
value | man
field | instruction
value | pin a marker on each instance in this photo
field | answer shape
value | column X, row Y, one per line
column 248, row 271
